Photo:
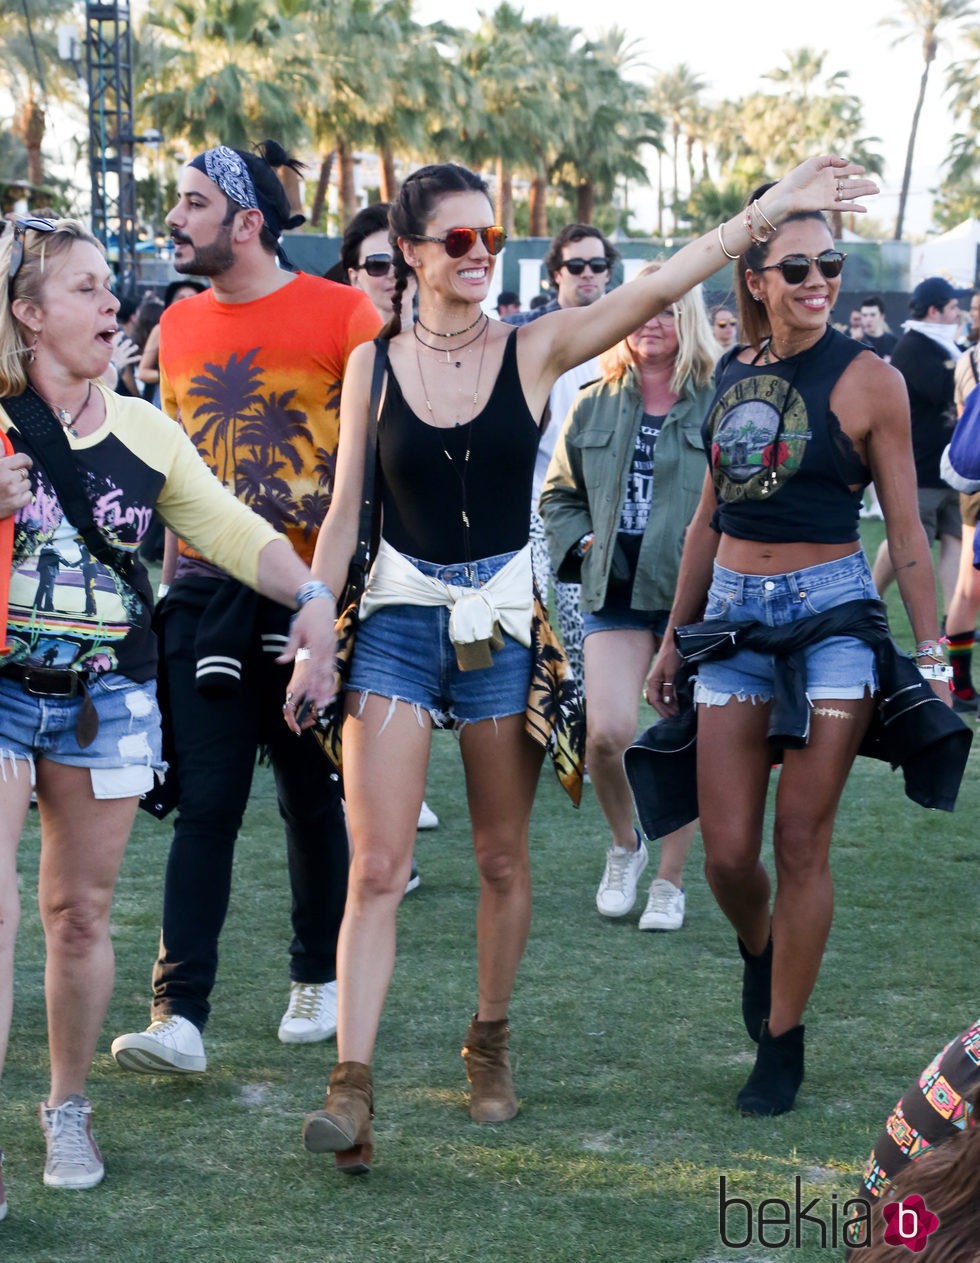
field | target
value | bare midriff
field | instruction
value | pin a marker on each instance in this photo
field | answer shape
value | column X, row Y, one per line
column 750, row 556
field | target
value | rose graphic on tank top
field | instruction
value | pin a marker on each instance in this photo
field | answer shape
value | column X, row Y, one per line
column 759, row 431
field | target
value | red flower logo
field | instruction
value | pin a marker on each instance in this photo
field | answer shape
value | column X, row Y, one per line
column 909, row 1223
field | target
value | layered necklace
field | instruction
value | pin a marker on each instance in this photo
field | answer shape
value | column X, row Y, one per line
column 460, row 469
column 64, row 415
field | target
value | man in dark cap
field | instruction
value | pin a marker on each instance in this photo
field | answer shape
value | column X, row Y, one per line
column 926, row 356
column 251, row 368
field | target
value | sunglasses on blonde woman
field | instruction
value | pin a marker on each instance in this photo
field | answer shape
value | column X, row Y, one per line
column 459, row 241
column 796, row 267
column 22, row 226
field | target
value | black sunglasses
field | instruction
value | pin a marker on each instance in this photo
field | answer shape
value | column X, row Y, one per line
column 17, row 249
column 460, row 241
column 796, row 267
column 375, row 265
column 577, row 266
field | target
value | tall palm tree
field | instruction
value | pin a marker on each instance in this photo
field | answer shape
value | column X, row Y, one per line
column 930, row 21
column 963, row 89
column 677, row 95
column 610, row 120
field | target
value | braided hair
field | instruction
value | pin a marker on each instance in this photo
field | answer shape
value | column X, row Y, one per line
column 411, row 211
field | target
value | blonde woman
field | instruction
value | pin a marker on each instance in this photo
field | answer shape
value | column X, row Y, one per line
column 622, row 485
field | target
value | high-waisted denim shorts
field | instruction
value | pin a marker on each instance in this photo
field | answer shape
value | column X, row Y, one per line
column 840, row 667
column 403, row 652
column 126, row 749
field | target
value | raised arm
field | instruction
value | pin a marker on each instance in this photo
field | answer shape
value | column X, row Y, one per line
column 562, row 339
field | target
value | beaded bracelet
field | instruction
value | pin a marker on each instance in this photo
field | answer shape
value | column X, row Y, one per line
column 929, row 649
column 725, row 250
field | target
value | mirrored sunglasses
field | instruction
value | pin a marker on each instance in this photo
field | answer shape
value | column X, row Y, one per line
column 724, row 324
column 796, row 267
column 375, row 265
column 577, row 266
column 21, row 226
column 460, row 241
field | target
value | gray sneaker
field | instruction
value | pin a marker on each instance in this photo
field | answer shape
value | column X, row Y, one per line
column 73, row 1159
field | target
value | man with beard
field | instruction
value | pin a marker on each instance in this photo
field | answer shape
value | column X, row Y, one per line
column 251, row 368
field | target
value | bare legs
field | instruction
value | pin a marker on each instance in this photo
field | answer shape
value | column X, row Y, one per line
column 947, row 568
column 616, row 666
column 15, row 797
column 384, row 778
column 734, row 762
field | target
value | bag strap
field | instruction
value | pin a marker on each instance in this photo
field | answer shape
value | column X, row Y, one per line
column 369, row 522
column 974, row 355
column 48, row 444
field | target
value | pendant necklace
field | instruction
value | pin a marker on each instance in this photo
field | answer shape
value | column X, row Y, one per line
column 450, row 351
column 461, row 472
column 64, row 416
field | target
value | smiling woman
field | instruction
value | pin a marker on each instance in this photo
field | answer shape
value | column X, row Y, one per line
column 803, row 418
column 453, row 626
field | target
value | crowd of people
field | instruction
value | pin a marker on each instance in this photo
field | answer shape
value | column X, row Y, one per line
column 674, row 469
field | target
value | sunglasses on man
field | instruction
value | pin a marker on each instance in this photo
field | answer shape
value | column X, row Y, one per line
column 21, row 226
column 796, row 267
column 575, row 267
column 375, row 265
column 460, row 241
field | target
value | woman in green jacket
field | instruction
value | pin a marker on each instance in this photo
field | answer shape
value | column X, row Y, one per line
column 623, row 483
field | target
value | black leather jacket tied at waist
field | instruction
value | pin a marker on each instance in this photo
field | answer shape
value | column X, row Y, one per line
column 911, row 727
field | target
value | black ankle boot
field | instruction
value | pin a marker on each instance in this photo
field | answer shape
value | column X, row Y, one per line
column 772, row 1086
column 756, row 988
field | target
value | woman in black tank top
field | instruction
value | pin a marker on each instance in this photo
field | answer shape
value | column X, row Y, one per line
column 443, row 374
column 801, row 420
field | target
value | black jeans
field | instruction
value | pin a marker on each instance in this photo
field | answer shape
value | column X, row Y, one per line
column 217, row 739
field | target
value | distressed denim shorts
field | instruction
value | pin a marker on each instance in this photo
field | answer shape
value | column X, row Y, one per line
column 617, row 615
column 126, row 749
column 840, row 667
column 404, row 652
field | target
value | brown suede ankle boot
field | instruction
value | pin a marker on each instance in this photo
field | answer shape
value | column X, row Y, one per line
column 492, row 1098
column 343, row 1126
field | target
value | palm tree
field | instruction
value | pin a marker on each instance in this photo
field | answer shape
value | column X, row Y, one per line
column 31, row 71
column 228, row 71
column 963, row 89
column 676, row 94
column 927, row 20
column 610, row 120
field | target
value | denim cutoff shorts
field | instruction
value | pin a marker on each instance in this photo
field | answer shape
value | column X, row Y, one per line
column 840, row 667
column 403, row 652
column 126, row 751
column 617, row 615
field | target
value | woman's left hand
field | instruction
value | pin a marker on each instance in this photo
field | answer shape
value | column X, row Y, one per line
column 15, row 483
column 313, row 644
column 659, row 689
column 824, row 183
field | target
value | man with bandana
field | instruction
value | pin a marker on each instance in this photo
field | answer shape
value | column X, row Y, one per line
column 251, row 368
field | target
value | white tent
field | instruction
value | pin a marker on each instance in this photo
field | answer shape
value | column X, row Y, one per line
column 953, row 256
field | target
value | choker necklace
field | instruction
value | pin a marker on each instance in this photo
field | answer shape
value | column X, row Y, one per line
column 450, row 351
column 64, row 416
column 451, row 335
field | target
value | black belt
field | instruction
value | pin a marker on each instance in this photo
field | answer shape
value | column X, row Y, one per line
column 46, row 681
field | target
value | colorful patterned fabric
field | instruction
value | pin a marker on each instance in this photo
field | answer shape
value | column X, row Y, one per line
column 264, row 412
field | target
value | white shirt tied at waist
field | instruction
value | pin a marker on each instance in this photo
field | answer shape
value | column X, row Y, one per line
column 477, row 615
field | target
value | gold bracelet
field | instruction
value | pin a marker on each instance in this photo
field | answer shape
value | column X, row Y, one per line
column 725, row 250
column 768, row 221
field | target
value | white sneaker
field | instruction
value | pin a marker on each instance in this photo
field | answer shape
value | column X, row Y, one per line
column 665, row 906
column 617, row 890
column 311, row 1014
column 427, row 817
column 169, row 1045
column 414, row 879
column 73, row 1159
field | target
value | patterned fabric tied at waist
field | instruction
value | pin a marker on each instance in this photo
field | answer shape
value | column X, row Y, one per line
column 477, row 617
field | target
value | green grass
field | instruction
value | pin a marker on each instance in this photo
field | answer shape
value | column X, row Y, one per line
column 629, row 1049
